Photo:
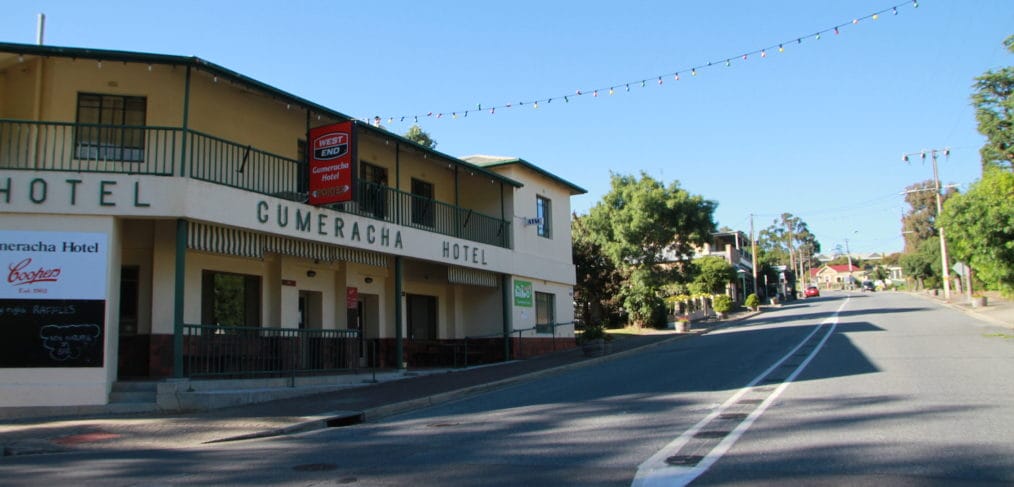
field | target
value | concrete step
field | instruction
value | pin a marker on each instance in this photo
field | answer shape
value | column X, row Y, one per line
column 135, row 386
column 131, row 397
column 134, row 396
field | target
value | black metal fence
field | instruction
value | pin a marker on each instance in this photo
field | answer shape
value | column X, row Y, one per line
column 230, row 351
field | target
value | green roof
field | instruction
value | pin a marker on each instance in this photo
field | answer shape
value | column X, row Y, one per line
column 494, row 161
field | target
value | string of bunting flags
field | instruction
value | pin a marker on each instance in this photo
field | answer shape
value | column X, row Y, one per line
column 656, row 79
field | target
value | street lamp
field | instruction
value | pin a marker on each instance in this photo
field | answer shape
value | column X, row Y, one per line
column 940, row 210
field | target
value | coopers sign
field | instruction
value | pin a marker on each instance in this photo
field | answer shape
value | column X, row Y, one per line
column 331, row 155
column 52, row 299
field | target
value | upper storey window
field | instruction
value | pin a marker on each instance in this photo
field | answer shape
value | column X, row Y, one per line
column 110, row 127
column 544, row 212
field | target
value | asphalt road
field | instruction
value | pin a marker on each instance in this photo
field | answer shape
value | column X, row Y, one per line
column 861, row 389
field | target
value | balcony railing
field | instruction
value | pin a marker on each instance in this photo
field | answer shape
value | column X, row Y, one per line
column 148, row 150
column 388, row 204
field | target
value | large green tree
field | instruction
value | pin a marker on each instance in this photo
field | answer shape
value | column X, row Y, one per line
column 597, row 291
column 919, row 223
column 787, row 241
column 649, row 230
column 994, row 112
column 980, row 228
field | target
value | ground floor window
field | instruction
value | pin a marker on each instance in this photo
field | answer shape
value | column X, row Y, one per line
column 229, row 299
column 545, row 312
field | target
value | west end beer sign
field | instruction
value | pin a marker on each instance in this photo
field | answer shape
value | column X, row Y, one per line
column 330, row 164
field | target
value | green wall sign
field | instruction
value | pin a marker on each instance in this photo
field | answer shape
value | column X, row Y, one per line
column 523, row 294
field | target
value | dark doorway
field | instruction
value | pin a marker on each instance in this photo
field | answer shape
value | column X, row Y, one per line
column 422, row 203
column 133, row 346
column 422, row 317
column 373, row 195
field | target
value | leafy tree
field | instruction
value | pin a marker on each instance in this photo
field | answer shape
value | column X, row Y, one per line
column 919, row 223
column 416, row 134
column 994, row 112
column 980, row 228
column 880, row 273
column 641, row 224
column 598, row 280
column 785, row 240
column 713, row 274
column 923, row 264
column 892, row 259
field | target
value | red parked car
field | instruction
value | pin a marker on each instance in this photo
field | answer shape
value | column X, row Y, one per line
column 812, row 292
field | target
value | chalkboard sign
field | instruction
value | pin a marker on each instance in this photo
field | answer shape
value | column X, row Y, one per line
column 52, row 333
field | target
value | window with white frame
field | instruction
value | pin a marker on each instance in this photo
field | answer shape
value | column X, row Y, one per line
column 544, row 212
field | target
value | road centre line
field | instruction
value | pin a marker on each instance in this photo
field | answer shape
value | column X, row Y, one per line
column 655, row 471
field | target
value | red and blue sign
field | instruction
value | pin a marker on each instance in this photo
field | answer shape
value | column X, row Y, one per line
column 330, row 164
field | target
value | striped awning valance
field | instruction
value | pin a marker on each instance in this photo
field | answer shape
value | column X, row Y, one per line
column 223, row 240
column 243, row 243
column 472, row 277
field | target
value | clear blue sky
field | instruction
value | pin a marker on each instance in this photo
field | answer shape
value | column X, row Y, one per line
column 817, row 130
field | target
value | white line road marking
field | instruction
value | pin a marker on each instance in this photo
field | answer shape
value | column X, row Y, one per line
column 656, row 472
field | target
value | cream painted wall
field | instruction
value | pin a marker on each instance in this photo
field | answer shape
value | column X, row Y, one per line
column 17, row 98
column 65, row 78
column 558, row 247
column 481, row 311
column 246, row 117
column 324, row 282
column 69, row 386
column 524, row 317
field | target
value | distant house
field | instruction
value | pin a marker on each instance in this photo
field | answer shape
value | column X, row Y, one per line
column 837, row 276
column 734, row 247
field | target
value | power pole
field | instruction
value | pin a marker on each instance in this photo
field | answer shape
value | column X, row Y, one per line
column 753, row 255
column 940, row 209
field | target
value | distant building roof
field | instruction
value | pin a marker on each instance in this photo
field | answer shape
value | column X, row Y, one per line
column 842, row 268
column 487, row 161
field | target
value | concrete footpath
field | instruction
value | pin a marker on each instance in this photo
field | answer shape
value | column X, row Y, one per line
column 394, row 393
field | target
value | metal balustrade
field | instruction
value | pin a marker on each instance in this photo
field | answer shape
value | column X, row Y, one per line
column 230, row 351
column 55, row 146
column 149, row 150
column 391, row 205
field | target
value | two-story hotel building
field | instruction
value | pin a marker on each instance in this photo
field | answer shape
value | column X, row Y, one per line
column 160, row 217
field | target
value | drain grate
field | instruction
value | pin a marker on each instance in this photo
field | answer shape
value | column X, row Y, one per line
column 684, row 460
column 315, row 467
column 735, row 416
column 442, row 425
column 711, row 434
